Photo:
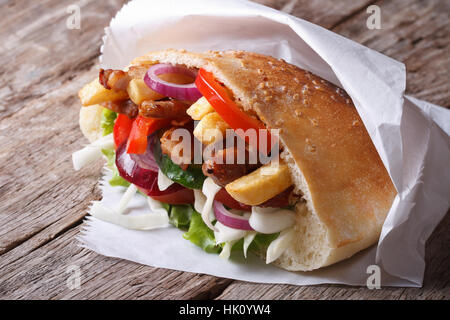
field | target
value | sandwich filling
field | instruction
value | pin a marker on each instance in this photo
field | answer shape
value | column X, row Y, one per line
column 179, row 137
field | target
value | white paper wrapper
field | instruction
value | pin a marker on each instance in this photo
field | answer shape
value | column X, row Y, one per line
column 411, row 136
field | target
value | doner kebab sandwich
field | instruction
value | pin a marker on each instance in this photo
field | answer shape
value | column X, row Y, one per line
column 242, row 151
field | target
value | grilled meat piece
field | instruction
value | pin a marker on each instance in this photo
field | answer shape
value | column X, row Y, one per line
column 222, row 172
column 178, row 156
column 163, row 109
column 116, row 80
column 126, row 107
column 280, row 200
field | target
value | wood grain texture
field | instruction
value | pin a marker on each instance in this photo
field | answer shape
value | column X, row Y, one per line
column 43, row 200
column 45, row 273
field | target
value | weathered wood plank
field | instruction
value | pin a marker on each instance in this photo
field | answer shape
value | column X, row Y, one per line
column 38, row 52
column 38, row 186
column 45, row 273
column 436, row 281
column 43, row 64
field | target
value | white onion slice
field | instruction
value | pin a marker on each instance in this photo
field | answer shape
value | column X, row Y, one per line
column 210, row 190
column 200, row 200
column 126, row 198
column 271, row 220
column 279, row 245
column 226, row 250
column 163, row 181
column 138, row 222
column 248, row 239
column 92, row 152
column 225, row 234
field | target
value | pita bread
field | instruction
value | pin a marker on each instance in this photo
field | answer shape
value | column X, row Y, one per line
column 331, row 157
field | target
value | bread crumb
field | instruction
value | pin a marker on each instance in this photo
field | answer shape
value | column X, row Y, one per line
column 306, row 102
column 305, row 89
column 310, row 146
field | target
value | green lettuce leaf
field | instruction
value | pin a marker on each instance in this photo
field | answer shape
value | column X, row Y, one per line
column 107, row 122
column 116, row 179
column 200, row 235
column 260, row 243
column 111, row 156
column 180, row 216
column 184, row 217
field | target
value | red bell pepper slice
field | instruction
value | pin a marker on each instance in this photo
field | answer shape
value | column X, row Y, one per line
column 122, row 128
column 143, row 127
column 220, row 100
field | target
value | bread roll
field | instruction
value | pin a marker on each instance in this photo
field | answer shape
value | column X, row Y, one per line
column 331, row 157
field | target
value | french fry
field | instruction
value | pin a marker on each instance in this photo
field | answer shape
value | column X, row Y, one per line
column 261, row 185
column 95, row 93
column 139, row 91
column 200, row 109
column 211, row 128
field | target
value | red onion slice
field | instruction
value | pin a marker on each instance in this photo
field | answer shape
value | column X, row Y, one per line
column 132, row 171
column 146, row 160
column 187, row 92
column 230, row 219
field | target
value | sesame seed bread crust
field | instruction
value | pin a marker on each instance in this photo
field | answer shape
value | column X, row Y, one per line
column 331, row 157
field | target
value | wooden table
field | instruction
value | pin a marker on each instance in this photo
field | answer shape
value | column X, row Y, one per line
column 43, row 200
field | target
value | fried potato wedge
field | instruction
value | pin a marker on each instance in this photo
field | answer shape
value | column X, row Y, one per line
column 139, row 91
column 211, row 128
column 261, row 185
column 95, row 93
column 200, row 109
